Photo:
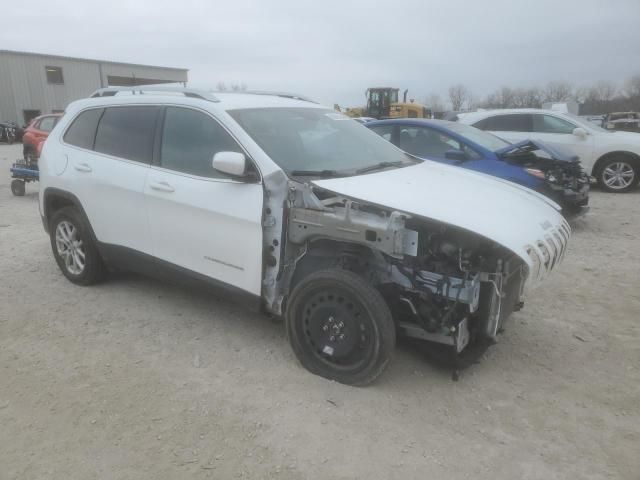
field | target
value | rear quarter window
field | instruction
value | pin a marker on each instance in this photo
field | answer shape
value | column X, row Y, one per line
column 127, row 132
column 82, row 132
column 515, row 122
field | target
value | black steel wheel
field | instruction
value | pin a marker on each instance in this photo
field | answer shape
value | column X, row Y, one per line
column 340, row 327
column 17, row 187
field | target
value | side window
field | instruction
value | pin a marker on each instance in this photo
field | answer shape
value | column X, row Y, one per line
column 127, row 132
column 190, row 139
column 82, row 132
column 425, row 142
column 515, row 122
column 550, row 124
column 385, row 131
column 47, row 124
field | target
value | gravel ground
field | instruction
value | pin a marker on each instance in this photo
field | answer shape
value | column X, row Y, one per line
column 139, row 379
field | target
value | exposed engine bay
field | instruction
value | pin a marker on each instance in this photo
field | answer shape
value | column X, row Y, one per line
column 565, row 178
column 443, row 284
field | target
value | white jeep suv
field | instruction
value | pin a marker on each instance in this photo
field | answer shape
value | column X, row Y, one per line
column 299, row 211
column 612, row 157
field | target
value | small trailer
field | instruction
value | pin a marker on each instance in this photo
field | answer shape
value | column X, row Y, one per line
column 23, row 171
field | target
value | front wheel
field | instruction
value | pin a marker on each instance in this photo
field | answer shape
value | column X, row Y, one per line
column 619, row 174
column 340, row 327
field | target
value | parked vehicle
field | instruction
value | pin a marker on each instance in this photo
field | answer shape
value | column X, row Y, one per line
column 8, row 132
column 627, row 121
column 37, row 132
column 613, row 158
column 298, row 210
column 364, row 119
column 382, row 102
column 555, row 174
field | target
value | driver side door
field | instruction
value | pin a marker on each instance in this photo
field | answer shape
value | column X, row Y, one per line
column 558, row 133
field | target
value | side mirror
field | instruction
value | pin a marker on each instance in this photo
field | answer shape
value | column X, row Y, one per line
column 455, row 155
column 580, row 132
column 231, row 163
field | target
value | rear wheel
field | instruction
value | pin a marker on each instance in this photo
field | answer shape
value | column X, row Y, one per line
column 17, row 187
column 340, row 327
column 73, row 248
column 619, row 174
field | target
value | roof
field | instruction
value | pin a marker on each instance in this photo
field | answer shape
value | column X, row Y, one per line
column 90, row 60
column 472, row 117
column 439, row 124
column 226, row 101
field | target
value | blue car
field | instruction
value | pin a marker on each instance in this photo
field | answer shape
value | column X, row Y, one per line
column 531, row 163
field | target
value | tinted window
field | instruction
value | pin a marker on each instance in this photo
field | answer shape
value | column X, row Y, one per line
column 82, row 131
column 190, row 140
column 127, row 132
column 385, row 131
column 47, row 124
column 550, row 124
column 516, row 122
column 424, row 141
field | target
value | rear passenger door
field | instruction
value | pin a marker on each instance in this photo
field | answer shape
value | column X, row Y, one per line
column 110, row 150
column 512, row 127
column 202, row 220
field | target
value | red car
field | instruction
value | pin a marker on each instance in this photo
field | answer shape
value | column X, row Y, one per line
column 37, row 132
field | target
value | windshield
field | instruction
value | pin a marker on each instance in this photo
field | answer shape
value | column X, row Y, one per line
column 482, row 138
column 586, row 124
column 315, row 139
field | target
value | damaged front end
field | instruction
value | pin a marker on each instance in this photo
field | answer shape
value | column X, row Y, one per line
column 443, row 284
column 565, row 181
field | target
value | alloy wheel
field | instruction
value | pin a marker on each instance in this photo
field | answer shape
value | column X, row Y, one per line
column 618, row 175
column 70, row 247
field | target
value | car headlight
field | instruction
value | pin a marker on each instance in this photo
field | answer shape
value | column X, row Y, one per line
column 536, row 173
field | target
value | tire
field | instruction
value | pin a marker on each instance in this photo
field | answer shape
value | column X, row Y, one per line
column 340, row 327
column 619, row 174
column 69, row 233
column 17, row 187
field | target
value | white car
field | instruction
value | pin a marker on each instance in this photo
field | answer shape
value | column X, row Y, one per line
column 296, row 210
column 613, row 158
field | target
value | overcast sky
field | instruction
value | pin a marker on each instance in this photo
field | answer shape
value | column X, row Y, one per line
column 333, row 50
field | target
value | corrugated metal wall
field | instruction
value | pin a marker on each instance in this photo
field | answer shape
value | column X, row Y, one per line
column 23, row 81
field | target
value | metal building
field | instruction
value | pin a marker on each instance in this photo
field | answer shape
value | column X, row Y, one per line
column 33, row 84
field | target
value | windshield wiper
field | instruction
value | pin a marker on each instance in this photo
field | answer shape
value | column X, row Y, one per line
column 379, row 166
column 314, row 173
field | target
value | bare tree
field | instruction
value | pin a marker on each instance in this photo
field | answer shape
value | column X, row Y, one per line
column 435, row 103
column 632, row 87
column 221, row 87
column 527, row 98
column 238, row 87
column 557, row 92
column 605, row 91
column 459, row 97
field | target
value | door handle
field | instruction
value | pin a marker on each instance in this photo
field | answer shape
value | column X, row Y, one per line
column 82, row 167
column 161, row 186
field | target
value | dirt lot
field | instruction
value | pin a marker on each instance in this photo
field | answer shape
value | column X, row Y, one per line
column 138, row 379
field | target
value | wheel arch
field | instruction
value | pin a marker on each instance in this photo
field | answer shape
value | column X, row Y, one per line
column 326, row 253
column 597, row 167
column 56, row 199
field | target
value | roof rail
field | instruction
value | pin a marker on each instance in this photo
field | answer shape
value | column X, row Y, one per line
column 140, row 90
column 293, row 96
